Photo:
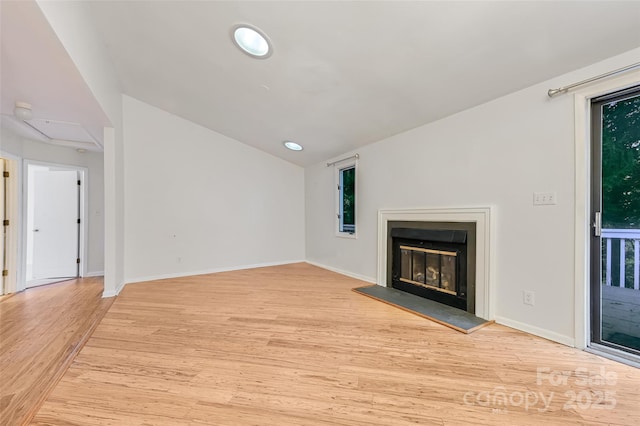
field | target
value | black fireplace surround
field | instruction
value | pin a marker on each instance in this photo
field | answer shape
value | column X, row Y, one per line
column 431, row 263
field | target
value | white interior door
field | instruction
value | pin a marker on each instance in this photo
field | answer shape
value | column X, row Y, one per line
column 55, row 224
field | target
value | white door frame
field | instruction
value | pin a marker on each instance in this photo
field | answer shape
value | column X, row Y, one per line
column 14, row 232
column 84, row 208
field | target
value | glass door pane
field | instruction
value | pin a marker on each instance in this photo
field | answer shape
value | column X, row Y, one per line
column 418, row 266
column 433, row 270
column 615, row 289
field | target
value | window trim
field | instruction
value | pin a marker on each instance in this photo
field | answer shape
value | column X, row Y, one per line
column 339, row 167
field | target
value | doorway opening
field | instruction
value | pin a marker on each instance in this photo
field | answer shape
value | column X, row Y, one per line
column 55, row 223
column 615, row 210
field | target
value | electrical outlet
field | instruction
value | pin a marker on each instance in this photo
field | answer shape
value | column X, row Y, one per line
column 544, row 198
column 528, row 298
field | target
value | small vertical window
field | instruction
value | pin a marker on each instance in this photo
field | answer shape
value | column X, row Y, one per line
column 346, row 213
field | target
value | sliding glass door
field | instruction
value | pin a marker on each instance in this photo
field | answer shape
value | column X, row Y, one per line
column 615, row 261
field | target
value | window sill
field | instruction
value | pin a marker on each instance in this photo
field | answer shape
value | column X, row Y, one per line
column 351, row 235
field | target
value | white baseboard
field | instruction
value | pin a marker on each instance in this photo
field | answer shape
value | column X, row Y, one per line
column 343, row 272
column 94, row 274
column 46, row 281
column 536, row 331
column 114, row 293
column 208, row 271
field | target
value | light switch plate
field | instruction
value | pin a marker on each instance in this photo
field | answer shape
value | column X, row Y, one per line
column 544, row 198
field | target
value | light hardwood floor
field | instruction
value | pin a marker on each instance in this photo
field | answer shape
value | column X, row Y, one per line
column 292, row 345
column 41, row 330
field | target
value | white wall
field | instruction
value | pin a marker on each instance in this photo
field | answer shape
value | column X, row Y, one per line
column 72, row 23
column 495, row 154
column 197, row 201
column 38, row 151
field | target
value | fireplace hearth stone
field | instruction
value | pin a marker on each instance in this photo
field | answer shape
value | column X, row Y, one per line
column 448, row 316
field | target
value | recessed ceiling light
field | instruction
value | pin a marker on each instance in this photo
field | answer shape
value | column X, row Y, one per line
column 251, row 41
column 292, row 146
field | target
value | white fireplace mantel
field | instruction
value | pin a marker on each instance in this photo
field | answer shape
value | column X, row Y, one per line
column 481, row 216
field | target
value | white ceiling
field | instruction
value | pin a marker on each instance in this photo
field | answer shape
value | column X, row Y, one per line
column 342, row 75
column 35, row 68
column 345, row 74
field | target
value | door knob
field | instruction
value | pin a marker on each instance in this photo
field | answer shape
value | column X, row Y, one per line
column 36, row 230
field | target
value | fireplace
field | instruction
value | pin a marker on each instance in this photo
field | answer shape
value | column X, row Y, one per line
column 476, row 220
column 435, row 261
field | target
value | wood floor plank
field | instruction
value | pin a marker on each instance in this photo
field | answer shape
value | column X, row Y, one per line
column 292, row 345
column 41, row 331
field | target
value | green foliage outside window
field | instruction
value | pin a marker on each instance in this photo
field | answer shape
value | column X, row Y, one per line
column 621, row 179
column 621, row 164
column 349, row 196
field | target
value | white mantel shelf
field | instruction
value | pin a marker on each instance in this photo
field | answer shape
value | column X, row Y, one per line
column 483, row 217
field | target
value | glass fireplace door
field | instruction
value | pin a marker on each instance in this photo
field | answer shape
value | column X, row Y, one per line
column 435, row 269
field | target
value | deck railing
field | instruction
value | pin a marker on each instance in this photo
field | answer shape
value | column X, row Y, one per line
column 620, row 261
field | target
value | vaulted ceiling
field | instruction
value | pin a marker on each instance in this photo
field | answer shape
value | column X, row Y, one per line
column 349, row 73
column 35, row 68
